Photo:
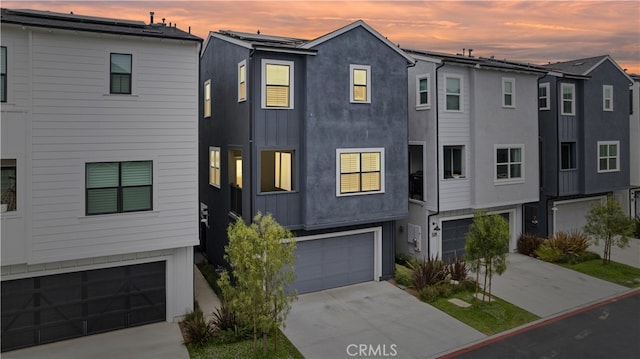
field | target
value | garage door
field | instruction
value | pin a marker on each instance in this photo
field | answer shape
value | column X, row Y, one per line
column 454, row 236
column 334, row 262
column 571, row 216
column 46, row 309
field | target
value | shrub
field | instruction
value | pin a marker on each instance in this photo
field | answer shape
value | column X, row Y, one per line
column 403, row 275
column 458, row 269
column 586, row 256
column 429, row 294
column 445, row 290
column 467, row 285
column 548, row 253
column 198, row 331
column 431, row 271
column 402, row 259
column 528, row 243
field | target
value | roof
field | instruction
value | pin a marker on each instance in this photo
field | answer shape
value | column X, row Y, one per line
column 479, row 62
column 260, row 41
column 583, row 67
column 48, row 19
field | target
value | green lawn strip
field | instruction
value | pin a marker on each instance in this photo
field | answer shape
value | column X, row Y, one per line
column 244, row 349
column 614, row 272
column 488, row 318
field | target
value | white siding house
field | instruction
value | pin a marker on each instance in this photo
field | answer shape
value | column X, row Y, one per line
column 99, row 142
column 475, row 134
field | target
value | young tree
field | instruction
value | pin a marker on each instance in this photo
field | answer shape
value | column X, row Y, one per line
column 486, row 247
column 261, row 256
column 608, row 222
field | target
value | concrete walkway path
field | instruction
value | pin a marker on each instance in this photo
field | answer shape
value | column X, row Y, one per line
column 629, row 255
column 376, row 317
column 545, row 289
column 204, row 295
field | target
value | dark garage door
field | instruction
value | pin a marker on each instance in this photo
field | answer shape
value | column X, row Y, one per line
column 334, row 262
column 46, row 309
column 453, row 236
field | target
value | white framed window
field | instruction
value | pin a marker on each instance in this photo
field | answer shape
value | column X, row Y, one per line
column 242, row 80
column 608, row 156
column 359, row 171
column 508, row 92
column 8, row 184
column 453, row 162
column 360, row 83
column 277, row 84
column 543, row 96
column 276, row 170
column 607, row 98
column 416, row 170
column 423, row 100
column 207, row 98
column 509, row 164
column 214, row 166
column 118, row 187
column 453, row 93
column 568, row 99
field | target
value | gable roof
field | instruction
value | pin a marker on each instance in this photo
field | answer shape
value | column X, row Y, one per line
column 48, row 19
column 352, row 26
column 274, row 43
column 584, row 67
column 478, row 62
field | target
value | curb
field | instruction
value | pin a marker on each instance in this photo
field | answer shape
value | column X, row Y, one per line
column 535, row 324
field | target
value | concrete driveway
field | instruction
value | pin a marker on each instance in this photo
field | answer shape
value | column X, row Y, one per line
column 376, row 317
column 545, row 289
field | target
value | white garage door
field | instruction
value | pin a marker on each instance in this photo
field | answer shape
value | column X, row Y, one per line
column 571, row 215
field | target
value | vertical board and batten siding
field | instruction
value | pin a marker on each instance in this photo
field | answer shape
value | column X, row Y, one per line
column 279, row 129
column 76, row 121
column 454, row 129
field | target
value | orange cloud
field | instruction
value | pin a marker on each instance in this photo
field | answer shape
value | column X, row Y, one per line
column 527, row 31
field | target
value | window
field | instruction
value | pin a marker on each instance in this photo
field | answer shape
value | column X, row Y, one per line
column 3, row 74
column 453, row 161
column 608, row 156
column 509, row 162
column 235, row 180
column 214, row 166
column 360, row 171
column 207, row 98
column 242, row 81
column 277, row 79
column 508, row 92
column 453, row 93
column 416, row 172
column 121, row 73
column 568, row 155
column 422, row 92
column 276, row 171
column 568, row 99
column 116, row 187
column 543, row 96
column 360, row 82
column 607, row 98
column 8, row 184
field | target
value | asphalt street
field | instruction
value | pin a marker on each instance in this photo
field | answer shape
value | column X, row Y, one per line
column 609, row 329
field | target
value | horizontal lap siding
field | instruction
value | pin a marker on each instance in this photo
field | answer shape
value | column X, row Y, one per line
column 75, row 121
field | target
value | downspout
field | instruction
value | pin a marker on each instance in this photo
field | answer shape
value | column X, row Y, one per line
column 557, row 169
column 250, row 107
column 437, row 212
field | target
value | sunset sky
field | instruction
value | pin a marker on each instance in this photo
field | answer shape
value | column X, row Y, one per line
column 528, row 31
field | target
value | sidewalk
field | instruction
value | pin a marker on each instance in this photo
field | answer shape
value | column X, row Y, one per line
column 204, row 295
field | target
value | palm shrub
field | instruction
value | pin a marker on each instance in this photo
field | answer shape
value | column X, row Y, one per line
column 198, row 330
column 563, row 247
column 429, row 272
column 528, row 243
column 458, row 269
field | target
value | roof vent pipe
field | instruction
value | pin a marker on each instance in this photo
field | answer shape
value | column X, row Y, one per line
column 470, row 52
column 151, row 13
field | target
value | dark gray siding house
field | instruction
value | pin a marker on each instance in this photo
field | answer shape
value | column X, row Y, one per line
column 584, row 139
column 313, row 132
